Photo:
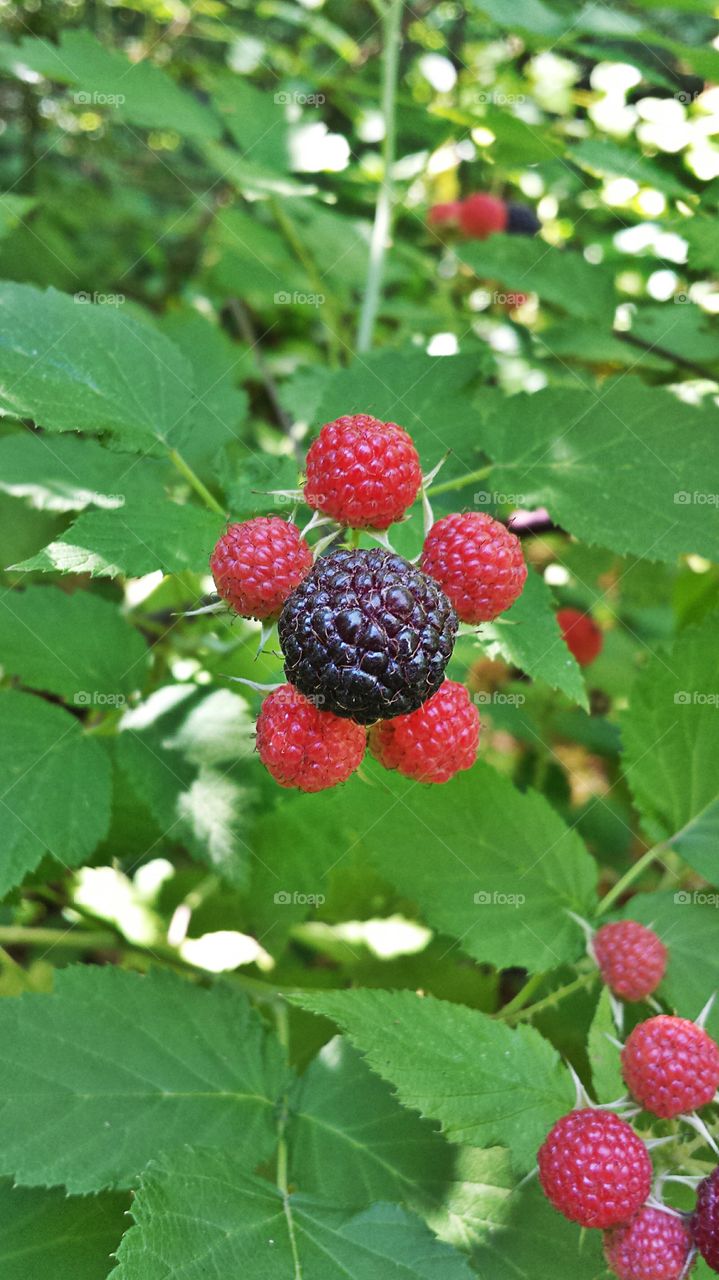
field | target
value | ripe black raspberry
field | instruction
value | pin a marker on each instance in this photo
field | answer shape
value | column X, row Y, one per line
column 521, row 220
column 367, row 633
column 705, row 1223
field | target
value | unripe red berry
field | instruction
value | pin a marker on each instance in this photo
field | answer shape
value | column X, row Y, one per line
column 481, row 215
column 304, row 747
column 653, row 1245
column 433, row 743
column 631, row 958
column 582, row 636
column 362, row 472
column 478, row 562
column 257, row 564
column 670, row 1065
column 594, row 1169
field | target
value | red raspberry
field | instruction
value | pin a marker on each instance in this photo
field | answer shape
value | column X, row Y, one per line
column 362, row 472
column 444, row 213
column 478, row 562
column 257, row 564
column 670, row 1065
column 303, row 747
column 480, row 215
column 433, row 743
column 581, row 635
column 631, row 958
column 654, row 1246
column 705, row 1222
column 594, row 1169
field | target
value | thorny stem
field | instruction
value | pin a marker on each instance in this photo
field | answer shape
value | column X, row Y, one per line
column 391, row 15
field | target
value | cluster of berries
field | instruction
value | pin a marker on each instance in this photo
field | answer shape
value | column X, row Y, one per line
column 594, row 1168
column 480, row 215
column 365, row 635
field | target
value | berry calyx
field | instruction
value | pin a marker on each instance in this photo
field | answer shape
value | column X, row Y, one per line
column 670, row 1065
column 305, row 747
column 631, row 958
column 368, row 634
column 580, row 633
column 705, row 1221
column 521, row 220
column 433, row 743
column 481, row 215
column 478, row 562
column 594, row 1169
column 258, row 563
column 654, row 1245
column 362, row 472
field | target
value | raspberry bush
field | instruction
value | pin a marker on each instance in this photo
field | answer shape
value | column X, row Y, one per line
column 358, row 635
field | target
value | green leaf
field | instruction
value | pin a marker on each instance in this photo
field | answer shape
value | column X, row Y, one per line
column 603, row 1055
column 686, row 921
column 12, row 210
column 679, row 329
column 225, row 1220
column 630, row 449
column 671, row 744
column 54, row 784
column 45, row 1233
column 530, row 1239
column 353, row 1144
column 500, row 882
column 78, row 645
column 219, row 408
column 609, row 159
column 66, row 474
column 137, row 92
column 443, row 1061
column 528, row 637
column 113, row 1069
column 73, row 365
column 139, row 538
column 559, row 276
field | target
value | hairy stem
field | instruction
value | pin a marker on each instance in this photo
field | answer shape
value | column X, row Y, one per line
column 391, row 17
column 553, row 999
column 194, row 481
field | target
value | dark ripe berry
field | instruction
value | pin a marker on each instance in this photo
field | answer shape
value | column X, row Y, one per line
column 257, row 564
column 705, row 1222
column 670, row 1065
column 521, row 220
column 631, row 958
column 594, row 1169
column 362, row 472
column 433, row 743
column 654, row 1245
column 581, row 635
column 477, row 562
column 481, row 215
column 305, row 747
column 368, row 634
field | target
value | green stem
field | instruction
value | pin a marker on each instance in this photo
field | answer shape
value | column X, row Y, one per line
column 448, row 486
column 629, row 877
column 306, row 259
column 555, row 997
column 392, row 38
column 283, row 1035
column 523, row 995
column 195, row 482
column 79, row 940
